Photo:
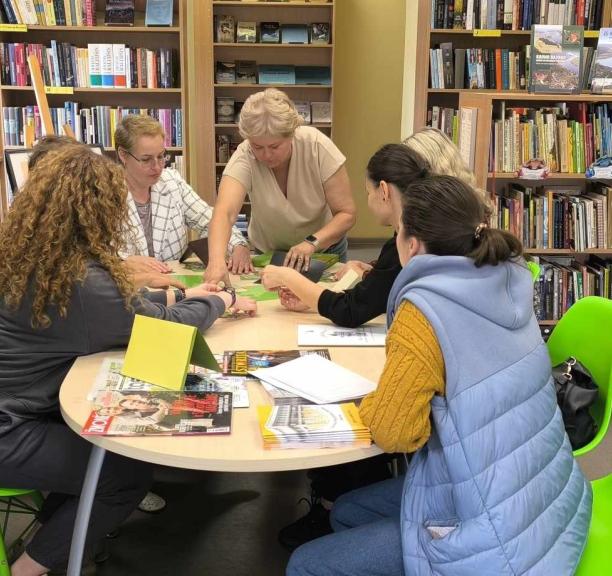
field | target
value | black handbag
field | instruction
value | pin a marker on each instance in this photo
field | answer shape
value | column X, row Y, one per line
column 576, row 393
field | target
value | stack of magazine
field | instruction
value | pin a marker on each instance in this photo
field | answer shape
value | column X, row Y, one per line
column 124, row 406
column 322, row 426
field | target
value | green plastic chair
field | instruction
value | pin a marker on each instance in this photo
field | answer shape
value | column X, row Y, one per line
column 585, row 332
column 12, row 502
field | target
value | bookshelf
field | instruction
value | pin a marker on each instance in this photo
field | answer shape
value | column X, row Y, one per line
column 575, row 271
column 210, row 51
column 16, row 98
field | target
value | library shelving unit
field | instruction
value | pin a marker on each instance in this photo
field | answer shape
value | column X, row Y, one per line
column 210, row 52
column 173, row 37
column 487, row 102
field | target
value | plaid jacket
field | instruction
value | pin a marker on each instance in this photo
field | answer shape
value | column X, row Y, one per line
column 174, row 207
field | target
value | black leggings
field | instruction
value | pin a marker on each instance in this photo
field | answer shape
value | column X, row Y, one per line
column 46, row 455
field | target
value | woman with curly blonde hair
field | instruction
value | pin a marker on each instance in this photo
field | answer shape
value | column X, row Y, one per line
column 64, row 293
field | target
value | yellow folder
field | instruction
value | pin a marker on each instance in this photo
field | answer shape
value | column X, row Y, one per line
column 160, row 352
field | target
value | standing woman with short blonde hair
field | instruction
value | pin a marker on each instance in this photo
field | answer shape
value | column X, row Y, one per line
column 296, row 180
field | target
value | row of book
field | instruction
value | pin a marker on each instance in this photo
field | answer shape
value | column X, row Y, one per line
column 98, row 65
column 95, row 125
column 49, row 12
column 249, row 72
column 567, row 136
column 228, row 110
column 445, row 119
column 514, row 14
column 495, row 68
column 227, row 30
column 563, row 281
column 556, row 218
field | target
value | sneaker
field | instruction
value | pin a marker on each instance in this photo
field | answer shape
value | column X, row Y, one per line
column 313, row 525
column 152, row 503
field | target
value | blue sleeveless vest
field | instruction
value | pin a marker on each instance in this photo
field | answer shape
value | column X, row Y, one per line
column 498, row 468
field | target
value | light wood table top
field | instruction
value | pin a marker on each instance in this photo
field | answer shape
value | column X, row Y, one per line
column 242, row 450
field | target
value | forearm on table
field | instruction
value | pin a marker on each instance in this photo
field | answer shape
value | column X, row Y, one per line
column 308, row 292
column 334, row 230
column 219, row 235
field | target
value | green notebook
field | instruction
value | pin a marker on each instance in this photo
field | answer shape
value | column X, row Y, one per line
column 160, row 352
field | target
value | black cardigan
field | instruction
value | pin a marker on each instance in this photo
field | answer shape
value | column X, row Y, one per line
column 368, row 299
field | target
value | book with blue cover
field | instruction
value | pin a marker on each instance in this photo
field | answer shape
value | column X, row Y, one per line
column 294, row 34
column 276, row 74
column 159, row 13
column 313, row 75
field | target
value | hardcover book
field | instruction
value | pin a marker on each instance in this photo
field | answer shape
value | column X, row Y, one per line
column 225, row 28
column 294, row 34
column 225, row 73
column 556, row 59
column 225, row 112
column 602, row 72
column 269, row 32
column 303, row 109
column 321, row 112
column 152, row 413
column 246, row 32
column 313, row 75
column 319, row 33
column 119, row 13
column 246, row 72
column 276, row 74
column 241, row 362
column 159, row 13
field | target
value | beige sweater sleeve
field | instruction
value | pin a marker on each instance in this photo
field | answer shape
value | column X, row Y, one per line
column 397, row 412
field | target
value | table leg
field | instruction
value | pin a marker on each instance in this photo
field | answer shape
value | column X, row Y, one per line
column 79, row 534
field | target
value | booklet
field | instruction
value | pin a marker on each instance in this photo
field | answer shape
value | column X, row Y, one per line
column 331, row 335
column 241, row 362
column 156, row 413
column 317, row 379
column 328, row 426
column 109, row 378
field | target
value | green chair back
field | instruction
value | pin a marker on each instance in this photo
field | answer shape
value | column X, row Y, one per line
column 585, row 332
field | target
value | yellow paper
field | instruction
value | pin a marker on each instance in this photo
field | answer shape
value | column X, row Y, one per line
column 160, row 352
column 59, row 90
column 591, row 33
column 13, row 28
column 488, row 33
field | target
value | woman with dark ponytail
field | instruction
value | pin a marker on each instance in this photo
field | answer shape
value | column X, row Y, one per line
column 493, row 488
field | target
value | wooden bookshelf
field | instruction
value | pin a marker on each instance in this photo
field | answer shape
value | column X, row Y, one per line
column 486, row 101
column 139, row 36
column 209, row 51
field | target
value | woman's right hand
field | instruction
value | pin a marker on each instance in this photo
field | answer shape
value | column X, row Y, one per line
column 360, row 267
column 291, row 302
column 245, row 305
column 137, row 264
column 216, row 273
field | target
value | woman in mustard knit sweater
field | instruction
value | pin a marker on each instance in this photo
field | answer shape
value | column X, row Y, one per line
column 493, row 488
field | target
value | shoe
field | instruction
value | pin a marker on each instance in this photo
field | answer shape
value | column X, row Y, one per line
column 313, row 525
column 152, row 503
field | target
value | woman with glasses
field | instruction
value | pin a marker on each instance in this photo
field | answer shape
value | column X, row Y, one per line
column 161, row 204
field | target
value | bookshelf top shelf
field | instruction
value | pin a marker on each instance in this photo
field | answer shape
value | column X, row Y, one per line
column 102, row 28
column 551, row 176
column 484, row 33
column 524, row 95
column 276, row 4
column 564, row 252
column 109, row 90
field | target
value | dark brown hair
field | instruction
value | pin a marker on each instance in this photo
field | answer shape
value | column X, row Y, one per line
column 398, row 165
column 48, row 143
column 448, row 215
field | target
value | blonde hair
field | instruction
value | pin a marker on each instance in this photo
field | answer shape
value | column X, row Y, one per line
column 268, row 113
column 133, row 127
column 440, row 153
column 72, row 209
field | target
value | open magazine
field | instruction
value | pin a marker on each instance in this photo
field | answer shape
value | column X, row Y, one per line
column 202, row 380
column 154, row 413
column 241, row 362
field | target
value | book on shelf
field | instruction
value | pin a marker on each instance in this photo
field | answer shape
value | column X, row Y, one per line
column 225, row 111
column 269, row 32
column 294, row 34
column 246, row 72
column 222, row 142
column 241, row 362
column 159, row 13
column 514, row 14
column 225, row 28
column 119, row 13
column 303, row 109
column 319, row 32
column 468, row 118
column 154, row 413
column 246, row 32
column 225, row 73
column 317, row 379
column 309, row 426
column 320, row 75
column 321, row 112
column 276, row 74
column 556, row 59
column 602, row 71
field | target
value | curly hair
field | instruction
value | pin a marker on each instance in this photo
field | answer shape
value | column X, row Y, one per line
column 72, row 209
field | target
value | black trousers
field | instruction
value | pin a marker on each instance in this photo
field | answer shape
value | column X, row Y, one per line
column 46, row 455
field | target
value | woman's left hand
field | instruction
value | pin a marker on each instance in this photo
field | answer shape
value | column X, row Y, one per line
column 240, row 260
column 298, row 256
column 273, row 277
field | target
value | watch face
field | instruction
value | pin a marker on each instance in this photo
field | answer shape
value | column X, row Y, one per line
column 312, row 238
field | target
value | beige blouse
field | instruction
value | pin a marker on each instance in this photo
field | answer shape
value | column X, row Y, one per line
column 277, row 223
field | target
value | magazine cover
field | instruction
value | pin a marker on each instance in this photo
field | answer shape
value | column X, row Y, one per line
column 556, row 61
column 322, row 426
column 602, row 73
column 241, row 362
column 159, row 414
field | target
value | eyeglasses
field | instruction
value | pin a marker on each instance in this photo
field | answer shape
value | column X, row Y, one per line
column 151, row 161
